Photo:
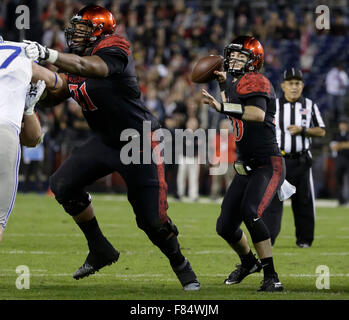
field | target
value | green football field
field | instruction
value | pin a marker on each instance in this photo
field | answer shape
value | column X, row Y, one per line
column 43, row 238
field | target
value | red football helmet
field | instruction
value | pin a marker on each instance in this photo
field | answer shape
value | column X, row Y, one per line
column 97, row 20
column 248, row 46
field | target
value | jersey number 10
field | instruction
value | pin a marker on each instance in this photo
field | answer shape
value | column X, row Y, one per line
column 238, row 128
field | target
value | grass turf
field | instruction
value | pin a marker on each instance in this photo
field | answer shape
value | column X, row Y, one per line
column 41, row 236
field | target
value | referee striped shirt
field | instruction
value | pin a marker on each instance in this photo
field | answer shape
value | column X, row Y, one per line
column 304, row 113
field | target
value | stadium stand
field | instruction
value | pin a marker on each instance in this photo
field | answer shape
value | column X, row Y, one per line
column 169, row 36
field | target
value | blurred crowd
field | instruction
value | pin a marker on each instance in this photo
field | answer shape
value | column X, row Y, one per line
column 167, row 38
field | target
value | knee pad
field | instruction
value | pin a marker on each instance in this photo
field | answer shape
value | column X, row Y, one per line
column 158, row 232
column 164, row 236
column 73, row 202
column 257, row 229
column 76, row 203
column 227, row 233
column 236, row 237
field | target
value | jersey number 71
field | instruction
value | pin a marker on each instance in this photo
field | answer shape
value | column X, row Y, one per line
column 86, row 102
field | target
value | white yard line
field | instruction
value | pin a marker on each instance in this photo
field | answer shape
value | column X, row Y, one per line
column 159, row 275
column 190, row 252
column 320, row 203
column 133, row 235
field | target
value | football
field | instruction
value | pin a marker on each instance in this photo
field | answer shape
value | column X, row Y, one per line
column 204, row 68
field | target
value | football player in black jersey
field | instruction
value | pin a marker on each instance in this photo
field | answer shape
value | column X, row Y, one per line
column 99, row 74
column 249, row 101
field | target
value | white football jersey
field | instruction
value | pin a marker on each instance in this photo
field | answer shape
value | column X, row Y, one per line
column 15, row 76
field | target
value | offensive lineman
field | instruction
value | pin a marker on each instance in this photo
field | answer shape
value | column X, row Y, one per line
column 100, row 76
column 249, row 100
column 18, row 122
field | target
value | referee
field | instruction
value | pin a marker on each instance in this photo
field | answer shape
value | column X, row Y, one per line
column 297, row 120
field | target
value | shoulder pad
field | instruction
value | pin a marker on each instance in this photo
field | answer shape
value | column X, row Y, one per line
column 252, row 83
column 113, row 41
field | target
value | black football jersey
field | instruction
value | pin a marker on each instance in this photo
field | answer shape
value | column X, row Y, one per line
column 113, row 103
column 254, row 140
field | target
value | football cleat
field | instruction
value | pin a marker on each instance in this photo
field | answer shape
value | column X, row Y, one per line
column 187, row 277
column 98, row 257
column 271, row 284
column 303, row 245
column 242, row 272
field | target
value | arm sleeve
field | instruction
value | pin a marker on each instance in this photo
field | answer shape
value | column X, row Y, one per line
column 115, row 58
column 257, row 101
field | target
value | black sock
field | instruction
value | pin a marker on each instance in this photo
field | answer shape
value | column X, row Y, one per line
column 268, row 266
column 91, row 230
column 248, row 260
column 177, row 259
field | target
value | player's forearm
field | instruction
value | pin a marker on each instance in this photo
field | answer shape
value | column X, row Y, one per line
column 224, row 98
column 51, row 79
column 71, row 63
column 235, row 110
column 53, row 97
column 30, row 134
column 253, row 113
column 247, row 113
column 87, row 66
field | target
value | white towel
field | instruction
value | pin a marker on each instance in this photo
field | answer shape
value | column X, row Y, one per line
column 286, row 190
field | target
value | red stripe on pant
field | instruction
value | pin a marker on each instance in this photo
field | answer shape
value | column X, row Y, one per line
column 276, row 163
column 163, row 205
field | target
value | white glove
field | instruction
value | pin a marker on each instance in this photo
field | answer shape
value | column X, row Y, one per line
column 34, row 93
column 37, row 52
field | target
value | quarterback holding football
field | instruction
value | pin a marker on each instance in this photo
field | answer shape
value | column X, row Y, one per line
column 249, row 101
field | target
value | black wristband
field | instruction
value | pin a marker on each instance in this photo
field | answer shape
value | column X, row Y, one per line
column 304, row 131
column 222, row 85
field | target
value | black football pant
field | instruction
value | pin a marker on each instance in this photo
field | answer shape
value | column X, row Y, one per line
column 299, row 174
column 147, row 188
column 247, row 198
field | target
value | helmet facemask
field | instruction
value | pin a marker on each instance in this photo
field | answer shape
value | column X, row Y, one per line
column 79, row 35
column 236, row 72
column 88, row 25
